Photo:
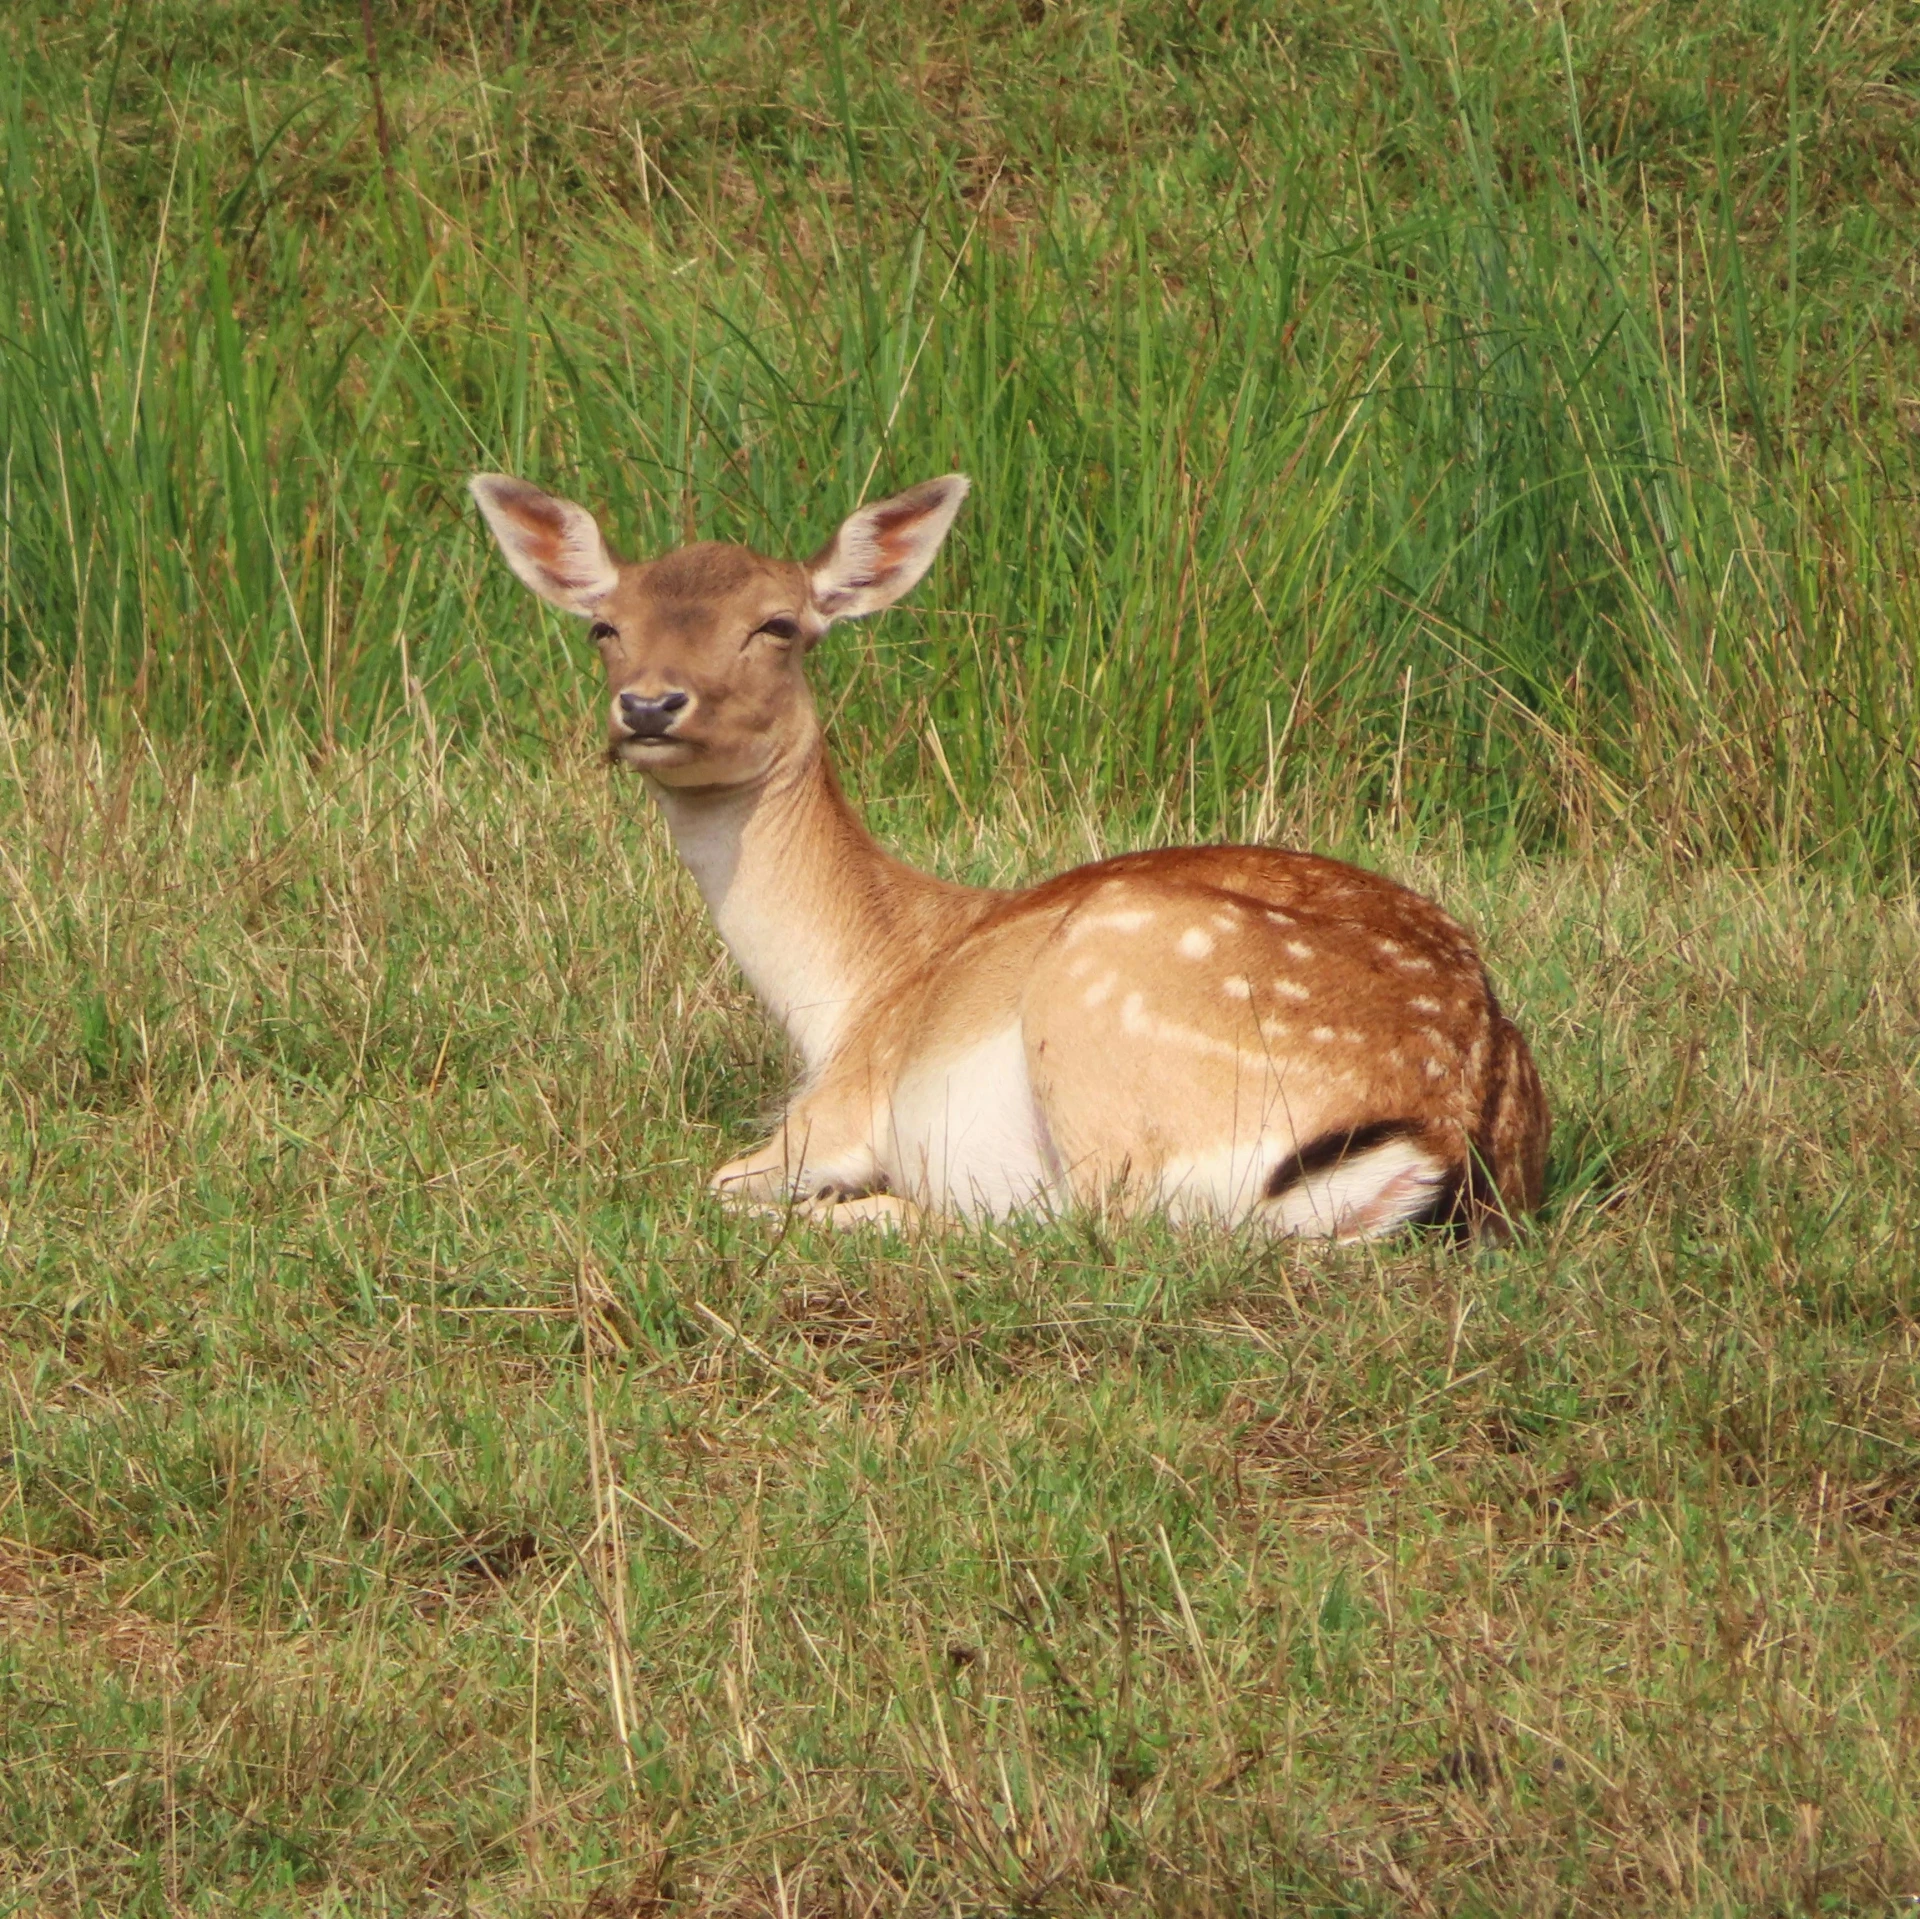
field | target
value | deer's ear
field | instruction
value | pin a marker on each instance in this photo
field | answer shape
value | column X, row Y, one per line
column 553, row 545
column 883, row 550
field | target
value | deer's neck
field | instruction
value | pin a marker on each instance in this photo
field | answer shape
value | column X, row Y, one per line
column 816, row 915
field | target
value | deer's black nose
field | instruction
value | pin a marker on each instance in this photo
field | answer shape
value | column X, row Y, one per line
column 647, row 719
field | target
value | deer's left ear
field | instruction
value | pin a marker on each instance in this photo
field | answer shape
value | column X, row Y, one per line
column 882, row 551
column 553, row 545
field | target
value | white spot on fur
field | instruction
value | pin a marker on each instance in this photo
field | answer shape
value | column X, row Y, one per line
column 1140, row 1023
column 1195, row 943
column 1125, row 920
column 1300, row 949
column 1080, row 968
column 1389, row 947
column 1224, row 922
column 1291, row 989
column 1096, row 994
column 1422, row 1004
column 1323, row 1034
column 1436, row 1069
column 1237, row 986
column 1413, row 965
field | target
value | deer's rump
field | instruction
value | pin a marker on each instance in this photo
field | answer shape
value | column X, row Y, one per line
column 1226, row 1031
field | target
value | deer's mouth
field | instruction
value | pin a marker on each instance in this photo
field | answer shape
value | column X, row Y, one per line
column 651, row 749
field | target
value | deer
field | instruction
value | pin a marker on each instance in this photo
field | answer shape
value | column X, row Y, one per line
column 1237, row 1034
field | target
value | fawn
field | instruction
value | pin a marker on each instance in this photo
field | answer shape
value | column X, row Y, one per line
column 1232, row 1032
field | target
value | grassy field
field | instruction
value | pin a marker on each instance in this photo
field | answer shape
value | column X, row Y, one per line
column 1476, row 440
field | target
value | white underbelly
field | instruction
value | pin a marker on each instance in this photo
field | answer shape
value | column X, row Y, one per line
column 966, row 1135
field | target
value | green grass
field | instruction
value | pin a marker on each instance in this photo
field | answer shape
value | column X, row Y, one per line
column 1476, row 440
column 1514, row 412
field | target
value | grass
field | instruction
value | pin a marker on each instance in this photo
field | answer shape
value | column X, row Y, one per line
column 1477, row 441
column 393, row 1420
column 1519, row 417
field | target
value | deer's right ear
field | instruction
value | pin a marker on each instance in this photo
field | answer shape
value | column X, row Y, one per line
column 553, row 545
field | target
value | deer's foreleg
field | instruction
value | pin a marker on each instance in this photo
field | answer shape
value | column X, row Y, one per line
column 823, row 1153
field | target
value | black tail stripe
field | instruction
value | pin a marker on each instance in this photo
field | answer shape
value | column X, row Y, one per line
column 1450, row 1205
column 1331, row 1148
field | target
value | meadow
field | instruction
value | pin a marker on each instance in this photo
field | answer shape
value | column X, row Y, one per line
column 1479, row 441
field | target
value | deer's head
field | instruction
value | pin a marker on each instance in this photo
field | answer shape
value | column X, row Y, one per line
column 703, row 646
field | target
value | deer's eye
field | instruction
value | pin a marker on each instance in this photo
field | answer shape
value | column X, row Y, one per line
column 600, row 632
column 779, row 628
